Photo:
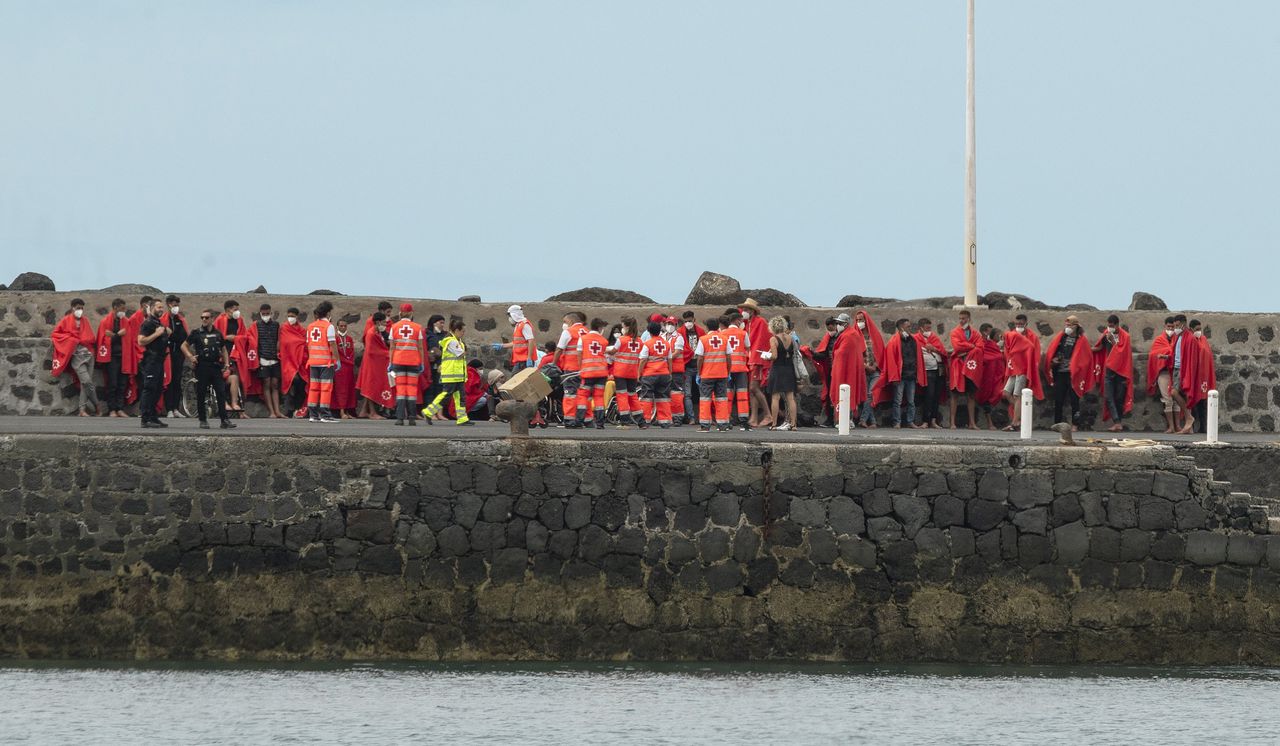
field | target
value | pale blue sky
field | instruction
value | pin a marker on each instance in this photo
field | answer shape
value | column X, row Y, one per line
column 519, row 149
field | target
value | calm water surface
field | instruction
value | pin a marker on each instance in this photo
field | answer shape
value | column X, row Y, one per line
column 661, row 704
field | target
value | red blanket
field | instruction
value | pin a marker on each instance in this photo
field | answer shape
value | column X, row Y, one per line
column 1119, row 359
column 965, row 361
column 1083, row 378
column 372, row 383
column 1199, row 375
column 991, row 385
column 1159, row 360
column 847, row 367
column 892, row 371
column 69, row 334
column 1022, row 356
column 293, row 355
column 344, row 381
column 872, row 335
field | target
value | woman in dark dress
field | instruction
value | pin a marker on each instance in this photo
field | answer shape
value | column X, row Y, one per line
column 782, row 373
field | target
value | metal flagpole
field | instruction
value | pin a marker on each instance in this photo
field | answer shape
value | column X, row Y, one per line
column 970, row 179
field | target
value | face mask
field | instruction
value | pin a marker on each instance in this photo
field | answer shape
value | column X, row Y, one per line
column 964, row 324
column 174, row 310
column 342, row 333
column 669, row 329
column 293, row 319
column 78, row 312
column 266, row 317
column 1168, row 333
column 926, row 333
column 1070, row 330
column 841, row 327
column 1199, row 334
column 1111, row 330
column 380, row 328
column 905, row 334
column 1019, row 329
column 688, row 325
column 235, row 314
column 862, row 325
column 564, row 327
column 119, row 314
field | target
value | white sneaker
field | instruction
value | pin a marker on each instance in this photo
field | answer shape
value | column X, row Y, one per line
column 329, row 419
column 313, row 419
column 172, row 414
column 179, row 414
column 784, row 426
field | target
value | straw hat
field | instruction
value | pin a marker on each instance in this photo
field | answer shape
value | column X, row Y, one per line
column 750, row 303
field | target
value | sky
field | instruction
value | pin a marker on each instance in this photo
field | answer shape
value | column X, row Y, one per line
column 517, row 149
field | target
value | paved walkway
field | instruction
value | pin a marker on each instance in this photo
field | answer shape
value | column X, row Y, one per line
column 491, row 430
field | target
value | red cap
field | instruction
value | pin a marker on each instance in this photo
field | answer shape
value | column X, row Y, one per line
column 406, row 308
column 670, row 320
column 656, row 317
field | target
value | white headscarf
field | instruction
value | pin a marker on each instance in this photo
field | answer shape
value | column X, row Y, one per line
column 516, row 314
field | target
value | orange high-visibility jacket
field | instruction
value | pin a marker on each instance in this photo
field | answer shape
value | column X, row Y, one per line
column 715, row 356
column 739, row 349
column 318, row 353
column 626, row 361
column 657, row 360
column 594, row 364
column 405, row 336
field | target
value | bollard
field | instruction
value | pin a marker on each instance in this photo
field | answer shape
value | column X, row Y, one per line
column 1027, row 414
column 844, row 409
column 518, row 414
column 1211, row 420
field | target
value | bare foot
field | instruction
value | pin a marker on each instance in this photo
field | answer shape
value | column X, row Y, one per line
column 84, row 413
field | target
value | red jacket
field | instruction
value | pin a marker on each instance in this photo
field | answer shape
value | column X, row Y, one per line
column 892, row 371
column 69, row 334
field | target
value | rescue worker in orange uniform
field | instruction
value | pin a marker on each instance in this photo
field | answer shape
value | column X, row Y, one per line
column 626, row 374
column 676, row 340
column 569, row 360
column 655, row 377
column 712, row 354
column 594, row 375
column 739, row 345
column 408, row 342
column 322, row 359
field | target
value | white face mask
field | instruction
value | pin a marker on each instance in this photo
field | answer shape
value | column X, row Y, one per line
column 1020, row 329
column 78, row 312
column 669, row 328
column 564, row 326
column 1168, row 333
column 1111, row 330
column 862, row 325
column 235, row 314
column 905, row 334
column 119, row 314
column 173, row 310
column 266, row 318
column 342, row 333
column 1199, row 334
column 964, row 324
column 1069, row 330
column 293, row 319
column 688, row 325
column 925, row 333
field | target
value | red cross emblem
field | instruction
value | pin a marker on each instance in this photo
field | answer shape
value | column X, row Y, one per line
column 595, row 348
column 715, row 343
column 102, row 351
column 1008, row 366
column 1097, row 370
column 660, row 347
column 971, row 364
column 252, row 354
column 734, row 343
column 633, row 346
column 1204, row 387
column 57, row 363
column 386, row 396
column 1081, row 387
column 405, row 332
column 316, row 334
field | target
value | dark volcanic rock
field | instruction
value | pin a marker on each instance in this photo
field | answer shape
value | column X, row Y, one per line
column 775, row 298
column 259, row 290
column 713, row 289
column 323, row 291
column 469, row 299
column 853, row 301
column 31, row 281
column 599, row 295
column 1146, row 302
column 131, row 290
column 998, row 300
column 1079, row 307
column 945, row 301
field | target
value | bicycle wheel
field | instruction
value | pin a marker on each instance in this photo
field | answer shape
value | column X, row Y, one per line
column 188, row 406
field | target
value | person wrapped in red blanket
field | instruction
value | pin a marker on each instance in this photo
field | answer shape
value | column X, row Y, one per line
column 964, row 369
column 374, row 387
column 903, row 374
column 118, row 356
column 1069, row 364
column 848, row 365
column 1113, row 370
column 1199, row 376
column 1022, row 367
column 74, row 348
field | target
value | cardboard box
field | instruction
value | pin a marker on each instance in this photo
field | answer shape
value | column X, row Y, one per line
column 527, row 385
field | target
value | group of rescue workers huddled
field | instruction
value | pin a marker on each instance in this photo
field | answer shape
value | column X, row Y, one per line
column 735, row 370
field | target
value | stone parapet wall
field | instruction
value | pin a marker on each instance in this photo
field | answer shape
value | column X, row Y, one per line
column 1248, row 353
column 477, row 550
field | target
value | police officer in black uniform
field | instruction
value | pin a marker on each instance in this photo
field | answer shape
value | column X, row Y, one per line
column 205, row 348
column 153, row 337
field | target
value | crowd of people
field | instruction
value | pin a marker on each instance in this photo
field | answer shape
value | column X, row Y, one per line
column 734, row 370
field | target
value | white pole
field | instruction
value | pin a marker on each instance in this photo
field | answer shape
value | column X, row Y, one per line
column 1211, row 423
column 970, row 177
column 1027, row 414
column 844, row 409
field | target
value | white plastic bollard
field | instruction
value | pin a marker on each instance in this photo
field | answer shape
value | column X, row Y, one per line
column 1211, row 420
column 1027, row 414
column 844, row 409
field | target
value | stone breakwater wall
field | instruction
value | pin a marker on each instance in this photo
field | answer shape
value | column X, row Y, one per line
column 1248, row 352
column 572, row 550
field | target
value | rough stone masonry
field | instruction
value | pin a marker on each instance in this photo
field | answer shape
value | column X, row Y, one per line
column 571, row 550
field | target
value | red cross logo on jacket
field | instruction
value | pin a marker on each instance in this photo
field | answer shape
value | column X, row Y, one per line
column 406, row 332
column 660, row 347
column 715, row 343
column 595, row 348
column 733, row 343
column 316, row 334
column 633, row 346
